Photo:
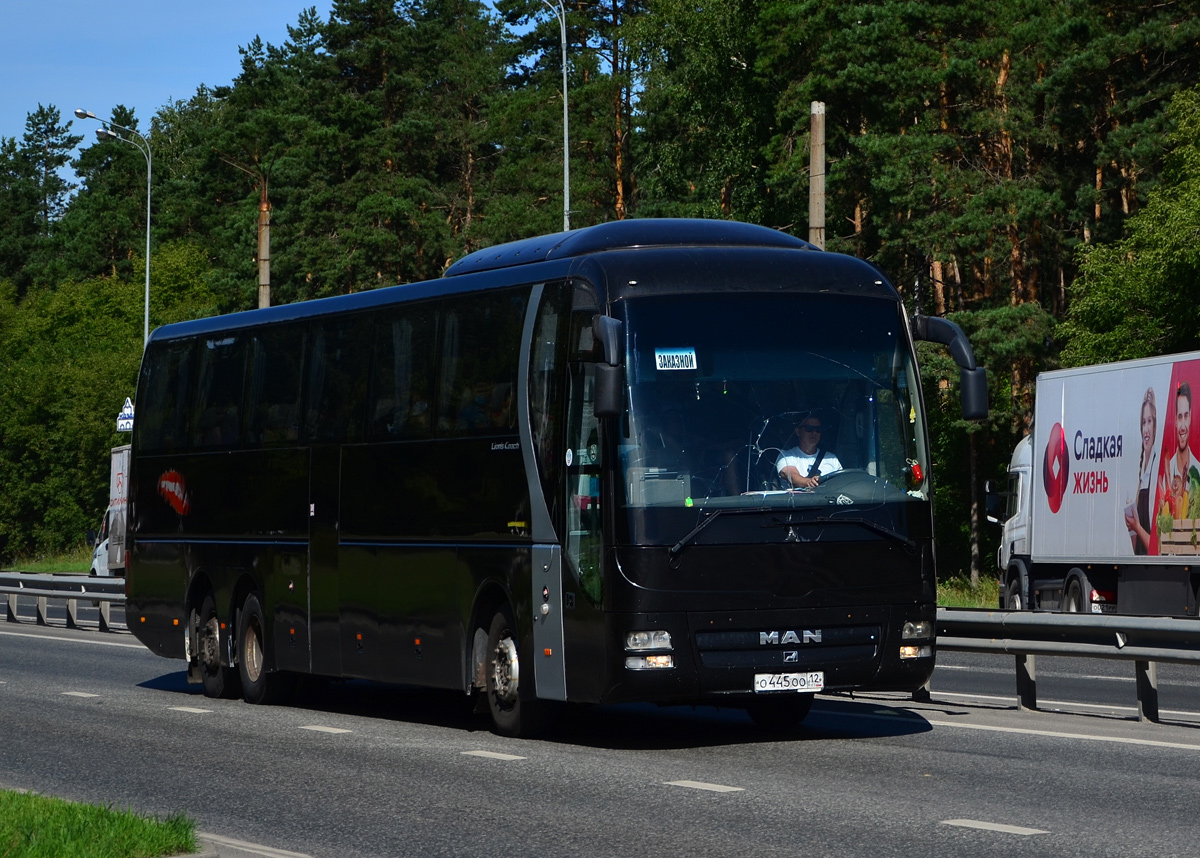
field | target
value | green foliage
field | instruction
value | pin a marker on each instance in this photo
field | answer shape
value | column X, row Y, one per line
column 1140, row 296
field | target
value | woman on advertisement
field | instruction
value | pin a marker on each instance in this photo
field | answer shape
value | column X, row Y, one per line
column 1137, row 514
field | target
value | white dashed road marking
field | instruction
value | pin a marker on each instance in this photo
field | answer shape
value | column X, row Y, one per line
column 704, row 786
column 316, row 728
column 492, row 755
column 78, row 694
column 191, row 709
column 993, row 826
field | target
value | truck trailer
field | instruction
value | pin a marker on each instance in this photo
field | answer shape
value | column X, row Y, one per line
column 1101, row 513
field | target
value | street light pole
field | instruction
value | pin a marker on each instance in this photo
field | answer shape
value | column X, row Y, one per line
column 142, row 144
column 560, row 12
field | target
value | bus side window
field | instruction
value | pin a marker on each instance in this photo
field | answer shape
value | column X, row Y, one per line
column 219, row 392
column 479, row 364
column 402, row 390
column 337, row 381
column 276, row 370
column 583, row 457
column 166, row 380
column 546, row 393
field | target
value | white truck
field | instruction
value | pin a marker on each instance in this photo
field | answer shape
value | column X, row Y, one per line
column 1101, row 513
column 108, row 556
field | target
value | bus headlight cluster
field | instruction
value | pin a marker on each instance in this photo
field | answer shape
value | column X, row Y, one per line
column 916, row 630
column 921, row 629
column 653, row 642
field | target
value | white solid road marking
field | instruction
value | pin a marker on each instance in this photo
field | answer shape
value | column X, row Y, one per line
column 492, row 755
column 191, row 709
column 72, row 640
column 317, row 728
column 704, row 786
column 78, row 694
column 252, row 848
column 993, row 826
column 1054, row 734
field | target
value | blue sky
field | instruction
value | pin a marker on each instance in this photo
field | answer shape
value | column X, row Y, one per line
column 140, row 53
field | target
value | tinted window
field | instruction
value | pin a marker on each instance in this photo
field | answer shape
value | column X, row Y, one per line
column 219, row 392
column 337, row 381
column 480, row 353
column 402, row 395
column 276, row 369
column 163, row 407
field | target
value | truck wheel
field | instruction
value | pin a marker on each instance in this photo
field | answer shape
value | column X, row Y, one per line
column 513, row 714
column 1013, row 600
column 1074, row 602
column 219, row 680
column 779, row 714
column 258, row 684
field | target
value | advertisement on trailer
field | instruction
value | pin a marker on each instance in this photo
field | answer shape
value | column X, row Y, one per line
column 1114, row 461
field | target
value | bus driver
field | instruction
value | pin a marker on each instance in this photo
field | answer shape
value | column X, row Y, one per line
column 801, row 467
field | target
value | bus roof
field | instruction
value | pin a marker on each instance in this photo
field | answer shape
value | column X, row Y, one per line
column 626, row 234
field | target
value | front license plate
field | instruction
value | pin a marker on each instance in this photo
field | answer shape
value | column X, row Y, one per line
column 812, row 681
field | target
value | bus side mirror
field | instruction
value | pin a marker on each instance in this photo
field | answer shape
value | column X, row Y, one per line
column 972, row 378
column 974, row 393
column 608, row 397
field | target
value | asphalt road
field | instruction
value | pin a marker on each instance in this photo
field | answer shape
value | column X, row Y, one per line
column 352, row 769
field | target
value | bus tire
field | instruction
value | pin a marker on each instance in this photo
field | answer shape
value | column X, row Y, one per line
column 513, row 713
column 780, row 713
column 259, row 685
column 220, row 681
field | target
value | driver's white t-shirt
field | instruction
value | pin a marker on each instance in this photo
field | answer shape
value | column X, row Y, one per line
column 803, row 462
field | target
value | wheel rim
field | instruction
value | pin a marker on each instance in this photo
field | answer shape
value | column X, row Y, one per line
column 210, row 647
column 506, row 671
column 253, row 654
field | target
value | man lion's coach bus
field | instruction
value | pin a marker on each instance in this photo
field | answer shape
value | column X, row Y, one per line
column 550, row 475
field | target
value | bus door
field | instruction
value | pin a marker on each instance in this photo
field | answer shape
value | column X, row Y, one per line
column 324, row 601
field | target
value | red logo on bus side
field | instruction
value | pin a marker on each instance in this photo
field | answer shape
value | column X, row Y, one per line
column 172, row 487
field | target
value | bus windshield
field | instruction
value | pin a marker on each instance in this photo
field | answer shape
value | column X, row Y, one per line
column 724, row 388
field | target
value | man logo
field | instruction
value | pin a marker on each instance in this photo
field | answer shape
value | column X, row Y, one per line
column 789, row 637
column 791, row 656
column 1056, row 467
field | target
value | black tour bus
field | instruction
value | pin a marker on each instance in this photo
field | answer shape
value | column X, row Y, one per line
column 549, row 475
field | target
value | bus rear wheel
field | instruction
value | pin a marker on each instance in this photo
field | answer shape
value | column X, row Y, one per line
column 219, row 680
column 258, row 684
column 780, row 714
column 511, row 715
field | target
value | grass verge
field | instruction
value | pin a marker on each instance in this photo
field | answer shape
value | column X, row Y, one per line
column 77, row 562
column 35, row 826
column 958, row 593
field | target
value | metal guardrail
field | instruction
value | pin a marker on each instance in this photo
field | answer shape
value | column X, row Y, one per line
column 1025, row 635
column 72, row 588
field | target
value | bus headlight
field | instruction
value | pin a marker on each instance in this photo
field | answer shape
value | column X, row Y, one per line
column 648, row 641
column 917, row 630
column 648, row 662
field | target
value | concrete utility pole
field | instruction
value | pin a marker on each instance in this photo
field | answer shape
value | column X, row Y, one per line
column 264, row 228
column 816, row 175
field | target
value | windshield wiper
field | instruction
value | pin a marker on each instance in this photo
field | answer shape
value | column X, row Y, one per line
column 872, row 526
column 688, row 537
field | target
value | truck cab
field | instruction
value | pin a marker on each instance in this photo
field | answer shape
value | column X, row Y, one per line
column 1011, row 509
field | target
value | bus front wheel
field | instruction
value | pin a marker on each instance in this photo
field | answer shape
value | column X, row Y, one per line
column 511, row 715
column 219, row 680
